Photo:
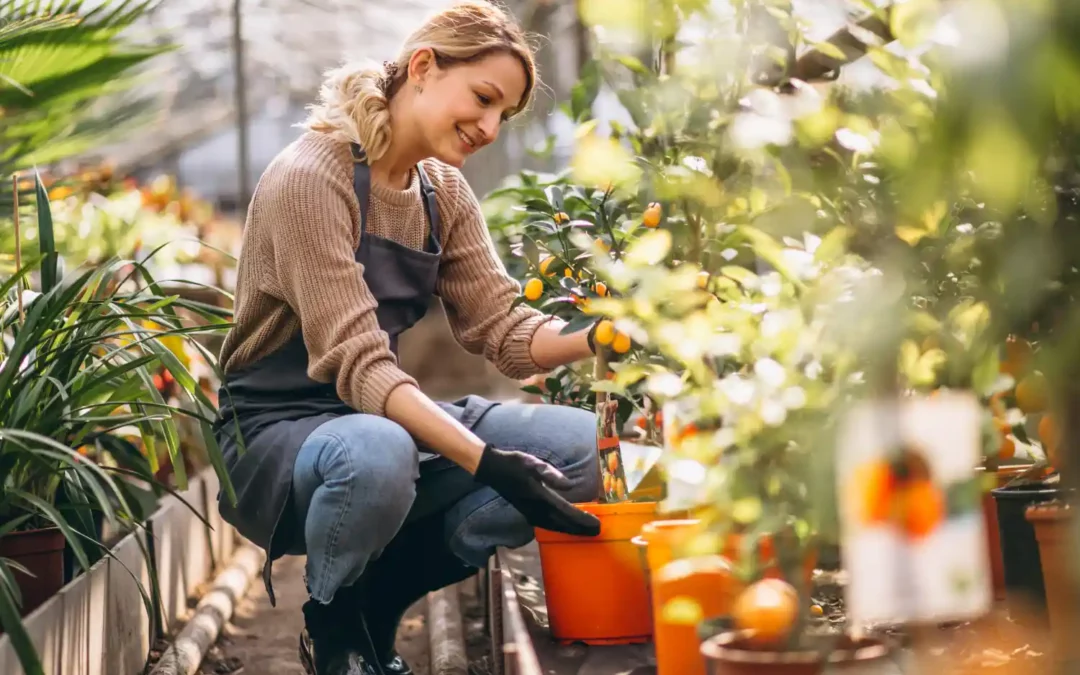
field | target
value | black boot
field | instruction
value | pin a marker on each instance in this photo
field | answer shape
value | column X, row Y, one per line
column 335, row 639
column 415, row 563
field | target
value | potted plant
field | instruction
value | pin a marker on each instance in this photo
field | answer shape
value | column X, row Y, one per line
column 79, row 358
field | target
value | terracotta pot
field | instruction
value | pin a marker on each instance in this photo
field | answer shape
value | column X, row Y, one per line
column 595, row 586
column 42, row 553
column 729, row 653
column 1053, row 523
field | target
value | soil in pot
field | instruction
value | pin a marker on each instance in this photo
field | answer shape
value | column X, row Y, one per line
column 595, row 587
column 1019, row 549
column 733, row 653
column 42, row 553
column 1052, row 523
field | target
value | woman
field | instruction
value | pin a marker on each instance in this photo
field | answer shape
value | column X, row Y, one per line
column 351, row 230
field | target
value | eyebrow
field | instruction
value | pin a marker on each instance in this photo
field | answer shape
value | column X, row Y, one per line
column 496, row 87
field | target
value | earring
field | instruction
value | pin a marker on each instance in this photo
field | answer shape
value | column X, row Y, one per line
column 418, row 88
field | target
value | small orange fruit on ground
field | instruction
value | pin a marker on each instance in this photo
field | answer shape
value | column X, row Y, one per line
column 651, row 217
column 768, row 609
column 605, row 333
column 1031, row 393
column 621, row 343
column 534, row 288
column 816, row 610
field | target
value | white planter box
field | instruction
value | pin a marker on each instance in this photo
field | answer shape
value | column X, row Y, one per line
column 98, row 624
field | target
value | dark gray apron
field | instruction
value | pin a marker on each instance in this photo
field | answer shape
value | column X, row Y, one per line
column 276, row 406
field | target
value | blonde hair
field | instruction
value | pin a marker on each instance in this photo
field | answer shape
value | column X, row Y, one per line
column 354, row 99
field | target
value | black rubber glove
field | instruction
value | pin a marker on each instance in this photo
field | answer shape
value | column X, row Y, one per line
column 523, row 481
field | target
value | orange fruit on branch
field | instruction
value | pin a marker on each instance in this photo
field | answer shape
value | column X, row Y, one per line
column 605, row 333
column 534, row 288
column 651, row 217
column 621, row 343
column 1032, row 394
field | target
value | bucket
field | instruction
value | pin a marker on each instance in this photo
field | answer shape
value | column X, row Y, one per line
column 1019, row 549
column 595, row 586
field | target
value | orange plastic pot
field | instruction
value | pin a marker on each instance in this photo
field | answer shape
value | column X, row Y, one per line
column 595, row 586
column 707, row 580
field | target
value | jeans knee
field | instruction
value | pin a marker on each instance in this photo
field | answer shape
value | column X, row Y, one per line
column 376, row 460
column 576, row 455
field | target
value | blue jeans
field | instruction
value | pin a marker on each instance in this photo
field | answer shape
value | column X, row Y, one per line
column 355, row 483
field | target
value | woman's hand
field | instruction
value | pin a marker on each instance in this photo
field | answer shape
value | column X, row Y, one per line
column 518, row 478
column 526, row 481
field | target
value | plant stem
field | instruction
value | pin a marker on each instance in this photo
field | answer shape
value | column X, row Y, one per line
column 18, row 248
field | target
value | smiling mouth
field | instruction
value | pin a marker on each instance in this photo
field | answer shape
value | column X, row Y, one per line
column 465, row 137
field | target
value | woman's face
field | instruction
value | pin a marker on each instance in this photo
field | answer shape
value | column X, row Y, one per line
column 460, row 109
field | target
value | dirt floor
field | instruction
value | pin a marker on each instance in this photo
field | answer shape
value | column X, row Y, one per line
column 262, row 640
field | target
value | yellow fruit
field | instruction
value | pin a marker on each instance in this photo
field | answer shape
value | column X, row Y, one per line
column 816, row 610
column 702, row 279
column 621, row 343
column 568, row 272
column 600, row 288
column 651, row 217
column 605, row 333
column 534, row 288
column 545, row 264
column 768, row 609
column 1031, row 393
column 561, row 217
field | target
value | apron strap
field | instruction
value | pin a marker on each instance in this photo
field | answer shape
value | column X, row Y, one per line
column 362, row 188
column 361, row 183
column 431, row 207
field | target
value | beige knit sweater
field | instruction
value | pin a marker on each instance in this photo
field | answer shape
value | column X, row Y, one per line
column 297, row 263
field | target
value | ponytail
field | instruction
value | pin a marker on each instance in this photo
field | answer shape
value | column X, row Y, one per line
column 353, row 107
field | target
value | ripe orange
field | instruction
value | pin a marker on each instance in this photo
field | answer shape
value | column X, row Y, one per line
column 621, row 343
column 1007, row 448
column 600, row 288
column 1031, row 393
column 768, row 609
column 534, row 288
column 545, row 263
column 1017, row 356
column 561, row 217
column 1048, row 434
column 651, row 217
column 605, row 333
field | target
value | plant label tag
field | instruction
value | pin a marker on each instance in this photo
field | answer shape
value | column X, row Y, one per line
column 612, row 473
column 913, row 537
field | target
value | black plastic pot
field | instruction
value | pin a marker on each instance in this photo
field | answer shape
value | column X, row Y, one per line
column 1019, row 548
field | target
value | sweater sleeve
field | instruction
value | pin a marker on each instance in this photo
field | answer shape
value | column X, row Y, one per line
column 477, row 290
column 307, row 209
